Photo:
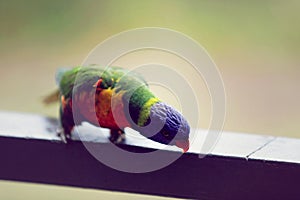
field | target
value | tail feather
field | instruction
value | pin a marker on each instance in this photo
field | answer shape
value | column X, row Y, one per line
column 54, row 96
column 51, row 98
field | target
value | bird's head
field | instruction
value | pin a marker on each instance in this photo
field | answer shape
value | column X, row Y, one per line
column 173, row 127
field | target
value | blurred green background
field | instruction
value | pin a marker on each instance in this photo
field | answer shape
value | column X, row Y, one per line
column 255, row 44
column 20, row 191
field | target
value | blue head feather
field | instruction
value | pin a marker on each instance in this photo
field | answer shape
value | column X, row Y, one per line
column 174, row 125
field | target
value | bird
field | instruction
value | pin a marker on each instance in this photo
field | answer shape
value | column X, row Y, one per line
column 115, row 98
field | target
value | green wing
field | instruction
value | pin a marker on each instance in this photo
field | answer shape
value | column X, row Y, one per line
column 80, row 77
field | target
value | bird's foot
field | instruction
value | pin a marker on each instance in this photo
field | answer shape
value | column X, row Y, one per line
column 117, row 136
column 64, row 137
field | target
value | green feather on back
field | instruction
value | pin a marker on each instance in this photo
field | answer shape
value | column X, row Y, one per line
column 80, row 77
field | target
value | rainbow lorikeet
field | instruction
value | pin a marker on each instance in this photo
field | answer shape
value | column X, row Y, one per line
column 115, row 98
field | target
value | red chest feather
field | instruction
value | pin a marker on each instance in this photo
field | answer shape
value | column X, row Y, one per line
column 103, row 109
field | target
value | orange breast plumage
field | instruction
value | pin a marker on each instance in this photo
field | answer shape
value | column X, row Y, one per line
column 104, row 108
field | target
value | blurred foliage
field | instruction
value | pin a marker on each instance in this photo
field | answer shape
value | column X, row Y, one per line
column 10, row 190
column 217, row 23
column 255, row 44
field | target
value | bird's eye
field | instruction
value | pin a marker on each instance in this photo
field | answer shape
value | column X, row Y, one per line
column 165, row 133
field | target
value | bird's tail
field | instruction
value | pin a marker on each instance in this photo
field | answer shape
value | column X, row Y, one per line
column 54, row 96
column 51, row 98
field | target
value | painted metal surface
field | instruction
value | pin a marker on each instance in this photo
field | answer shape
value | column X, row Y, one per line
column 32, row 126
column 241, row 166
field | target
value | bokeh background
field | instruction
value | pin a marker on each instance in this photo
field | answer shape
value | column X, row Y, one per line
column 255, row 44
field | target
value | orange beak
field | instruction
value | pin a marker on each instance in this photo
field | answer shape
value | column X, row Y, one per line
column 183, row 144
